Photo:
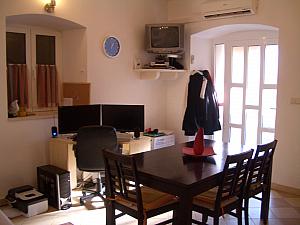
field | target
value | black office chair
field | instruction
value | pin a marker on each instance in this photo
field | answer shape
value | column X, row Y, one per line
column 259, row 179
column 90, row 142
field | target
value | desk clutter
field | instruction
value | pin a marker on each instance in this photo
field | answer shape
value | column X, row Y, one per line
column 153, row 133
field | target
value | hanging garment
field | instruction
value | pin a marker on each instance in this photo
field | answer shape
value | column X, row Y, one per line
column 201, row 112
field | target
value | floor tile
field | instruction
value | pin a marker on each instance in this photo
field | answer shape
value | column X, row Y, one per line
column 255, row 213
column 298, row 209
column 254, row 203
column 284, row 210
column 278, row 222
column 275, row 194
column 288, row 195
column 283, row 213
column 295, row 202
column 279, row 203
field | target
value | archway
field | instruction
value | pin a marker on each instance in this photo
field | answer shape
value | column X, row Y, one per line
column 243, row 59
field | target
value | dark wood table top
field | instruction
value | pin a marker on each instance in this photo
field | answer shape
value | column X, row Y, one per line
column 169, row 170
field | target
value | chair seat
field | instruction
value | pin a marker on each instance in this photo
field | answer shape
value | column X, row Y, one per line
column 152, row 199
column 255, row 186
column 207, row 199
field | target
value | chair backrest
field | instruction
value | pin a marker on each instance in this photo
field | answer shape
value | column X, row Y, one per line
column 90, row 143
column 122, row 179
column 234, row 176
column 261, row 164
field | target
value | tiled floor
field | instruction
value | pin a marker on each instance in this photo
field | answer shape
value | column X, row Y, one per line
column 284, row 210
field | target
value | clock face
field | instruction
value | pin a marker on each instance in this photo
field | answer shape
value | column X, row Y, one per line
column 111, row 46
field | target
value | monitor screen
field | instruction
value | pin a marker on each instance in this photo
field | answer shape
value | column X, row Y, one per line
column 71, row 118
column 165, row 37
column 124, row 118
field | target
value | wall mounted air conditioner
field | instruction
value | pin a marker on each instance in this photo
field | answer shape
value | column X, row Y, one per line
column 214, row 9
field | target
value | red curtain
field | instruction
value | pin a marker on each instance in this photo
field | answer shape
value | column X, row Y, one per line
column 17, row 84
column 47, row 86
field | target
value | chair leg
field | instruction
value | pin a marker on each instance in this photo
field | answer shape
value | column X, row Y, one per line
column 110, row 213
column 216, row 220
column 204, row 218
column 246, row 210
column 265, row 202
column 142, row 222
column 239, row 213
column 99, row 191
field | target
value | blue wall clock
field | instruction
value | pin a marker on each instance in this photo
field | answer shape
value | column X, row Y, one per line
column 111, row 46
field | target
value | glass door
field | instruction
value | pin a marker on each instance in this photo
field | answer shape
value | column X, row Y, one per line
column 246, row 83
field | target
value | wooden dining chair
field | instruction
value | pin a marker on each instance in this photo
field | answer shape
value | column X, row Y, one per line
column 259, row 179
column 228, row 196
column 125, row 193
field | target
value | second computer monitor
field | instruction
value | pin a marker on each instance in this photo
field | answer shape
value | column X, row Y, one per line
column 125, row 118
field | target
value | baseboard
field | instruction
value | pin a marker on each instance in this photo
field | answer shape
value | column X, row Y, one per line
column 284, row 188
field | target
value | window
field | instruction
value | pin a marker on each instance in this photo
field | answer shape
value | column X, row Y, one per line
column 246, row 83
column 33, row 68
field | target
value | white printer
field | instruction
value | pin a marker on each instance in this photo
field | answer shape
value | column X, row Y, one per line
column 28, row 200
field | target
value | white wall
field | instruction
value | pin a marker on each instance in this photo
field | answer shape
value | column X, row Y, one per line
column 74, row 44
column 201, row 50
column 285, row 16
column 24, row 143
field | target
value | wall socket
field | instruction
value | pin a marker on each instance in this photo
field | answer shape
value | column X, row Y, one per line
column 295, row 100
column 192, row 59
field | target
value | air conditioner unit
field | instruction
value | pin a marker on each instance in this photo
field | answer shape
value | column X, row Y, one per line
column 214, row 9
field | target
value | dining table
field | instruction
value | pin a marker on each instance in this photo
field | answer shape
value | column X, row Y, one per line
column 171, row 171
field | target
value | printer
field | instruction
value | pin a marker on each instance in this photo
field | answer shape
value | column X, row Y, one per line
column 28, row 200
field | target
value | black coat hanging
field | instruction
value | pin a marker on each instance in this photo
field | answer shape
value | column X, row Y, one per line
column 201, row 111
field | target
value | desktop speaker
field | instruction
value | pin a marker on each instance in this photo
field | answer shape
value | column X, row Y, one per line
column 54, row 131
column 54, row 183
column 136, row 133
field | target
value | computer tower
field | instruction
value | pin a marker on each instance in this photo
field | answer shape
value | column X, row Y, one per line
column 54, row 183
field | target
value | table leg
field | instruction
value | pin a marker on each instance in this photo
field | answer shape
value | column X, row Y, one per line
column 183, row 213
column 110, row 217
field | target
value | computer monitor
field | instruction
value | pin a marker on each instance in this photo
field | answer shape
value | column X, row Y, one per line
column 71, row 118
column 124, row 118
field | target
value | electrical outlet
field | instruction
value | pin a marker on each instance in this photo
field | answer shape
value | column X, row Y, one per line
column 295, row 100
column 192, row 59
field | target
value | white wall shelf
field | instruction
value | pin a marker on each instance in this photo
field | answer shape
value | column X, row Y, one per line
column 154, row 74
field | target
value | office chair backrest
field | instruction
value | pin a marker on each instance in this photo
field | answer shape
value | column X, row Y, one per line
column 123, row 183
column 91, row 141
column 234, row 176
column 261, row 163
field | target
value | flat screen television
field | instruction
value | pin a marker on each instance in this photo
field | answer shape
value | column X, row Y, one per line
column 124, row 118
column 164, row 38
column 71, row 118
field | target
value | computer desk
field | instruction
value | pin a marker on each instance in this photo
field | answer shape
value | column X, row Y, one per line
column 61, row 153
